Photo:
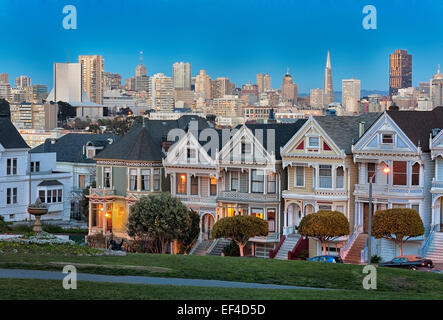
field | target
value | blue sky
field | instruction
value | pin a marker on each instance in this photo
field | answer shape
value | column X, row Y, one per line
column 233, row 38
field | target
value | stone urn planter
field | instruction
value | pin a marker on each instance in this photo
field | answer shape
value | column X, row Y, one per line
column 37, row 209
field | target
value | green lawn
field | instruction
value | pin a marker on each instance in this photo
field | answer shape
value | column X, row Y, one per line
column 301, row 273
column 52, row 289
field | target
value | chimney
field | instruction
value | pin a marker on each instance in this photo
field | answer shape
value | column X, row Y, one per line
column 361, row 128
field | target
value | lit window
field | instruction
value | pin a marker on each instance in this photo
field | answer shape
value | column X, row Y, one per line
column 213, row 186
column 181, row 183
column 272, row 180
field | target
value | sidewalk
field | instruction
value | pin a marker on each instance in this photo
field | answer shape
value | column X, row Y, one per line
column 56, row 275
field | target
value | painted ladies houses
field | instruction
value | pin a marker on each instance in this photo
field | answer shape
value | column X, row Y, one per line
column 24, row 177
column 399, row 140
column 321, row 174
column 128, row 169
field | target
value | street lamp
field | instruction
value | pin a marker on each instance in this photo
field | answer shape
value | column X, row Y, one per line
column 386, row 170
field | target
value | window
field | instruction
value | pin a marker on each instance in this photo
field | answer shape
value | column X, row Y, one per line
column 258, row 213
column 313, row 142
column 213, row 186
column 107, row 178
column 325, row 175
column 181, row 183
column 11, row 166
column 132, row 179
column 416, row 207
column 234, row 181
column 48, row 196
column 257, row 181
column 194, row 185
column 146, row 180
column 35, row 166
column 51, row 196
column 371, row 171
column 81, row 181
column 272, row 181
column 54, row 195
column 156, row 179
column 91, row 153
column 339, row 179
column 415, row 181
column 387, row 138
column 42, row 195
column 271, row 220
column 340, row 209
column 245, row 148
column 59, row 195
column 325, row 207
column 299, row 178
column 11, row 195
column 400, row 173
column 191, row 154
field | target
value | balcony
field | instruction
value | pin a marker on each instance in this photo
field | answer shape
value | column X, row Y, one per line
column 102, row 192
column 388, row 190
column 436, row 186
column 197, row 199
column 242, row 196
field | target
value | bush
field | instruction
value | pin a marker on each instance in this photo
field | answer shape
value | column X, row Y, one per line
column 375, row 259
column 97, row 241
column 231, row 250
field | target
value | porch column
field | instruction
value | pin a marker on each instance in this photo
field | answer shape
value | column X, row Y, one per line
column 105, row 225
column 90, row 217
column 249, row 180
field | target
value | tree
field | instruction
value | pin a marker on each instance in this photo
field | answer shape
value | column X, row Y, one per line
column 240, row 229
column 398, row 225
column 158, row 220
column 65, row 111
column 191, row 234
column 324, row 225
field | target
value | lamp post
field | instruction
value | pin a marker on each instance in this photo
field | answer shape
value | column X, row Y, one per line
column 386, row 170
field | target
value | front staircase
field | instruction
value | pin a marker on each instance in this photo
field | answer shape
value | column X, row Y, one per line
column 289, row 244
column 435, row 250
column 353, row 255
column 217, row 248
column 201, row 247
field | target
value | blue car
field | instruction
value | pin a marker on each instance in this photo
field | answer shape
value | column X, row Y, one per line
column 328, row 259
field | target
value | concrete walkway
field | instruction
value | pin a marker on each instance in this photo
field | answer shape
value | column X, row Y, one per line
column 56, row 275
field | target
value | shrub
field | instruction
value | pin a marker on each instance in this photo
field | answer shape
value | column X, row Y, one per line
column 231, row 250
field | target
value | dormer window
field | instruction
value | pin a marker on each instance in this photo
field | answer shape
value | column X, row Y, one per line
column 91, row 153
column 387, row 138
column 313, row 142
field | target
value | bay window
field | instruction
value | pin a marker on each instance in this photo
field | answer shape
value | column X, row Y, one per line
column 156, row 179
column 133, row 179
column 146, row 180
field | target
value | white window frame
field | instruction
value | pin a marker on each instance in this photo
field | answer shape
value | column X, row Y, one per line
column 309, row 142
column 295, row 177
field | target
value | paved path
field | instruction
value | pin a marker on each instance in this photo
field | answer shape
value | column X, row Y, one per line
column 56, row 275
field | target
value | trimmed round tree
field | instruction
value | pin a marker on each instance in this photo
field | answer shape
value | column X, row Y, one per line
column 324, row 225
column 398, row 225
column 240, row 229
column 160, row 219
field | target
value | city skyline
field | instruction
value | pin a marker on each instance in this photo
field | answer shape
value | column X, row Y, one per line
column 356, row 53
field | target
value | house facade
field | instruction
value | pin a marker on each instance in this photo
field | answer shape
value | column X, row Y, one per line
column 24, row 177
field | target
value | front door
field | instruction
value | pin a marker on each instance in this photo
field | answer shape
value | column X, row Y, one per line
column 207, row 224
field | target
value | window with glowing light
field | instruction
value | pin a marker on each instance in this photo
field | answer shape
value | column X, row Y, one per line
column 181, row 183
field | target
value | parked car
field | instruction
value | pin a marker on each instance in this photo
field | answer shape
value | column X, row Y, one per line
column 328, row 259
column 408, row 262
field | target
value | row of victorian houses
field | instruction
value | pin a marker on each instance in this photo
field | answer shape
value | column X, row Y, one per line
column 280, row 173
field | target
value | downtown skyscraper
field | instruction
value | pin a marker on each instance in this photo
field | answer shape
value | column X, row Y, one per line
column 181, row 73
column 92, row 76
column 327, row 84
column 400, row 71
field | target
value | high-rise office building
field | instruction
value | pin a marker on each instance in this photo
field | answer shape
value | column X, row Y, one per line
column 263, row 82
column 39, row 92
column 140, row 70
column 221, row 86
column 4, row 78
column 111, row 81
column 22, row 82
column 5, row 91
column 67, row 83
column 162, row 92
column 436, row 85
column 316, row 98
column 181, row 72
column 400, row 71
column 350, row 95
column 92, row 76
column 327, row 85
column 203, row 85
column 289, row 89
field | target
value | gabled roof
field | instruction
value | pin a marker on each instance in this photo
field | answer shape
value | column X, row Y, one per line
column 10, row 138
column 417, row 125
column 50, row 183
column 69, row 148
column 344, row 130
column 144, row 142
column 283, row 133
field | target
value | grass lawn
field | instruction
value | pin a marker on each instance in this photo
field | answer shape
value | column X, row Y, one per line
column 52, row 289
column 301, row 273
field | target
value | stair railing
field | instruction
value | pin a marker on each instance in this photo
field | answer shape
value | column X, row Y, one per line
column 345, row 250
column 195, row 246
column 273, row 253
column 425, row 247
column 212, row 246
column 302, row 244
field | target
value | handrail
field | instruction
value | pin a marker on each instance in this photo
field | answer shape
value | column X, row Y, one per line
column 273, row 253
column 363, row 255
column 195, row 246
column 428, row 241
column 213, row 244
column 344, row 252
column 299, row 245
